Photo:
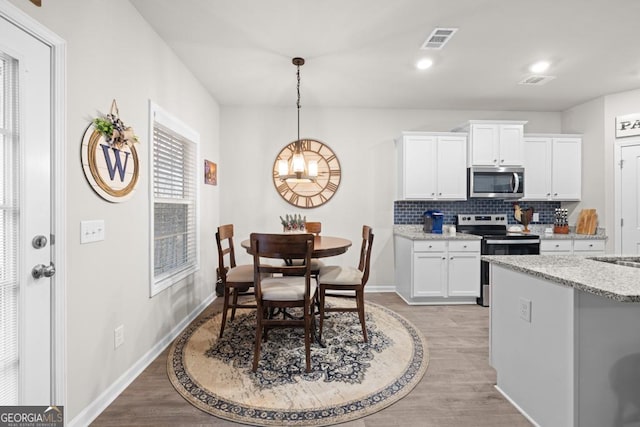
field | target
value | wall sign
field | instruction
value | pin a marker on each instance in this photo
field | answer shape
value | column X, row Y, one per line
column 109, row 158
column 628, row 125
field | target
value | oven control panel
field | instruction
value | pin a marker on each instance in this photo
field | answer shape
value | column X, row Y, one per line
column 493, row 219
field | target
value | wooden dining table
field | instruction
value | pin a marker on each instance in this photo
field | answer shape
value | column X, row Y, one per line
column 323, row 246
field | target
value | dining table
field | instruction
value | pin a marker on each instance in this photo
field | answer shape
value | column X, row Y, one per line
column 323, row 246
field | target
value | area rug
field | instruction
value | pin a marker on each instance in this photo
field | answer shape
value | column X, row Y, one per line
column 349, row 379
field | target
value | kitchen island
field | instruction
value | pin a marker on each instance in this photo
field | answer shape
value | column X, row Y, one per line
column 565, row 338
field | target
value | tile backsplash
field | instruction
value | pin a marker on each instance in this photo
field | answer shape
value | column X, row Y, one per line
column 411, row 211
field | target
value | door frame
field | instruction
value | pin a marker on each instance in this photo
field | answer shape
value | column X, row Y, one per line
column 619, row 145
column 58, row 194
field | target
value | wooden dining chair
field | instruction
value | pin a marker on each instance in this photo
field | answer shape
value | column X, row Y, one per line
column 313, row 227
column 236, row 279
column 337, row 278
column 290, row 287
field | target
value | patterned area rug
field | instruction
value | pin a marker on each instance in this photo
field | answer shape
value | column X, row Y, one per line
column 349, row 379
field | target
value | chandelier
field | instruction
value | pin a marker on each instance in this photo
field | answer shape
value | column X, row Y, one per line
column 296, row 169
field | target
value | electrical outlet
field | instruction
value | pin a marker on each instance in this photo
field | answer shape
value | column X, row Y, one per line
column 524, row 309
column 118, row 336
column 536, row 217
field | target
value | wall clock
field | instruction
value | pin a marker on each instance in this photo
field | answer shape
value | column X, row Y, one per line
column 309, row 194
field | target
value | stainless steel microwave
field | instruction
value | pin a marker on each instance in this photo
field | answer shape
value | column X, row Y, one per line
column 495, row 183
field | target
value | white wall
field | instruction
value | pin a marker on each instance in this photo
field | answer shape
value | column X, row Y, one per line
column 587, row 119
column 113, row 53
column 363, row 141
column 596, row 121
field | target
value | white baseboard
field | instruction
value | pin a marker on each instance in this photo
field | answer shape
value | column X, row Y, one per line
column 95, row 408
column 506, row 396
column 379, row 288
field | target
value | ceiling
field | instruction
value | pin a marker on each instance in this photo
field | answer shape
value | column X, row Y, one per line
column 361, row 53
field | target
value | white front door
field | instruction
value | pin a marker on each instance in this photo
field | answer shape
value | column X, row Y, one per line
column 630, row 199
column 25, row 209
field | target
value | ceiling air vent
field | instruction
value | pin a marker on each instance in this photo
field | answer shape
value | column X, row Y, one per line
column 535, row 80
column 438, row 38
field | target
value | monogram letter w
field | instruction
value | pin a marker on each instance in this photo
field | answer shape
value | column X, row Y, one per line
column 118, row 162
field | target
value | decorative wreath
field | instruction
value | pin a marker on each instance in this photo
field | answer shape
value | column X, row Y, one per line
column 114, row 131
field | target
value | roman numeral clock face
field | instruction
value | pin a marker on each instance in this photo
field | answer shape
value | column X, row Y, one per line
column 309, row 194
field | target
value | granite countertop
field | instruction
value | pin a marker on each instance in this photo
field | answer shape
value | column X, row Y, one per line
column 414, row 232
column 617, row 282
column 540, row 228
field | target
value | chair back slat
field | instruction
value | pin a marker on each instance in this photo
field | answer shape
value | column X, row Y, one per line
column 313, row 227
column 365, row 252
column 224, row 241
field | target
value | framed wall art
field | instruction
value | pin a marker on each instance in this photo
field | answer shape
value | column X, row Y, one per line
column 210, row 173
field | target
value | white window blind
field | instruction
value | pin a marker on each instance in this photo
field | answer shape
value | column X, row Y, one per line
column 9, row 229
column 175, row 202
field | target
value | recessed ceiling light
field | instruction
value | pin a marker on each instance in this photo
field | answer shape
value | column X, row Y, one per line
column 424, row 63
column 539, row 67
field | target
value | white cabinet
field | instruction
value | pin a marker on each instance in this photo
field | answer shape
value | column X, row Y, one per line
column 556, row 247
column 553, row 167
column 494, row 143
column 589, row 247
column 572, row 247
column 464, row 269
column 437, row 271
column 431, row 166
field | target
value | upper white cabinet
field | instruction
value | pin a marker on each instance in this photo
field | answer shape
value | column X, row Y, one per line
column 494, row 143
column 431, row 166
column 552, row 167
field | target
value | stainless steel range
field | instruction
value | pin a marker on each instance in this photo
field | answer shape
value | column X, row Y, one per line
column 496, row 240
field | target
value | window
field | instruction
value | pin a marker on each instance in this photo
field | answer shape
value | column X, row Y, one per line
column 9, row 231
column 175, row 241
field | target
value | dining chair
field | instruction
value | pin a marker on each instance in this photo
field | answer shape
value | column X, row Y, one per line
column 337, row 278
column 236, row 279
column 290, row 286
column 313, row 227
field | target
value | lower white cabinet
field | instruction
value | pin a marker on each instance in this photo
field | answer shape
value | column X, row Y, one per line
column 572, row 247
column 437, row 271
column 589, row 247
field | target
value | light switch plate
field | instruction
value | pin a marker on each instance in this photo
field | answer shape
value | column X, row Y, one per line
column 91, row 231
column 536, row 217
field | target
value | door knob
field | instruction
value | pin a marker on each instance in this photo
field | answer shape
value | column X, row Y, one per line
column 42, row 270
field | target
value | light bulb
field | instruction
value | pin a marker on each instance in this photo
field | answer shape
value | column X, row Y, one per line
column 313, row 168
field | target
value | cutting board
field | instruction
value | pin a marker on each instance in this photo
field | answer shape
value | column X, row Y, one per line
column 587, row 222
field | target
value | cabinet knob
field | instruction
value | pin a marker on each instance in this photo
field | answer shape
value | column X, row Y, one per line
column 451, row 258
column 555, row 194
column 501, row 160
column 548, row 194
column 439, row 194
column 444, row 257
column 495, row 160
column 433, row 194
column 590, row 245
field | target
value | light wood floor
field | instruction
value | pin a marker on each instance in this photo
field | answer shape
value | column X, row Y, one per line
column 457, row 389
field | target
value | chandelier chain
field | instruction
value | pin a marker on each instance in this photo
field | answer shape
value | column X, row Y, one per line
column 298, row 103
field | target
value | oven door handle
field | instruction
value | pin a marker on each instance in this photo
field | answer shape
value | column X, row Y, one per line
column 512, row 242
